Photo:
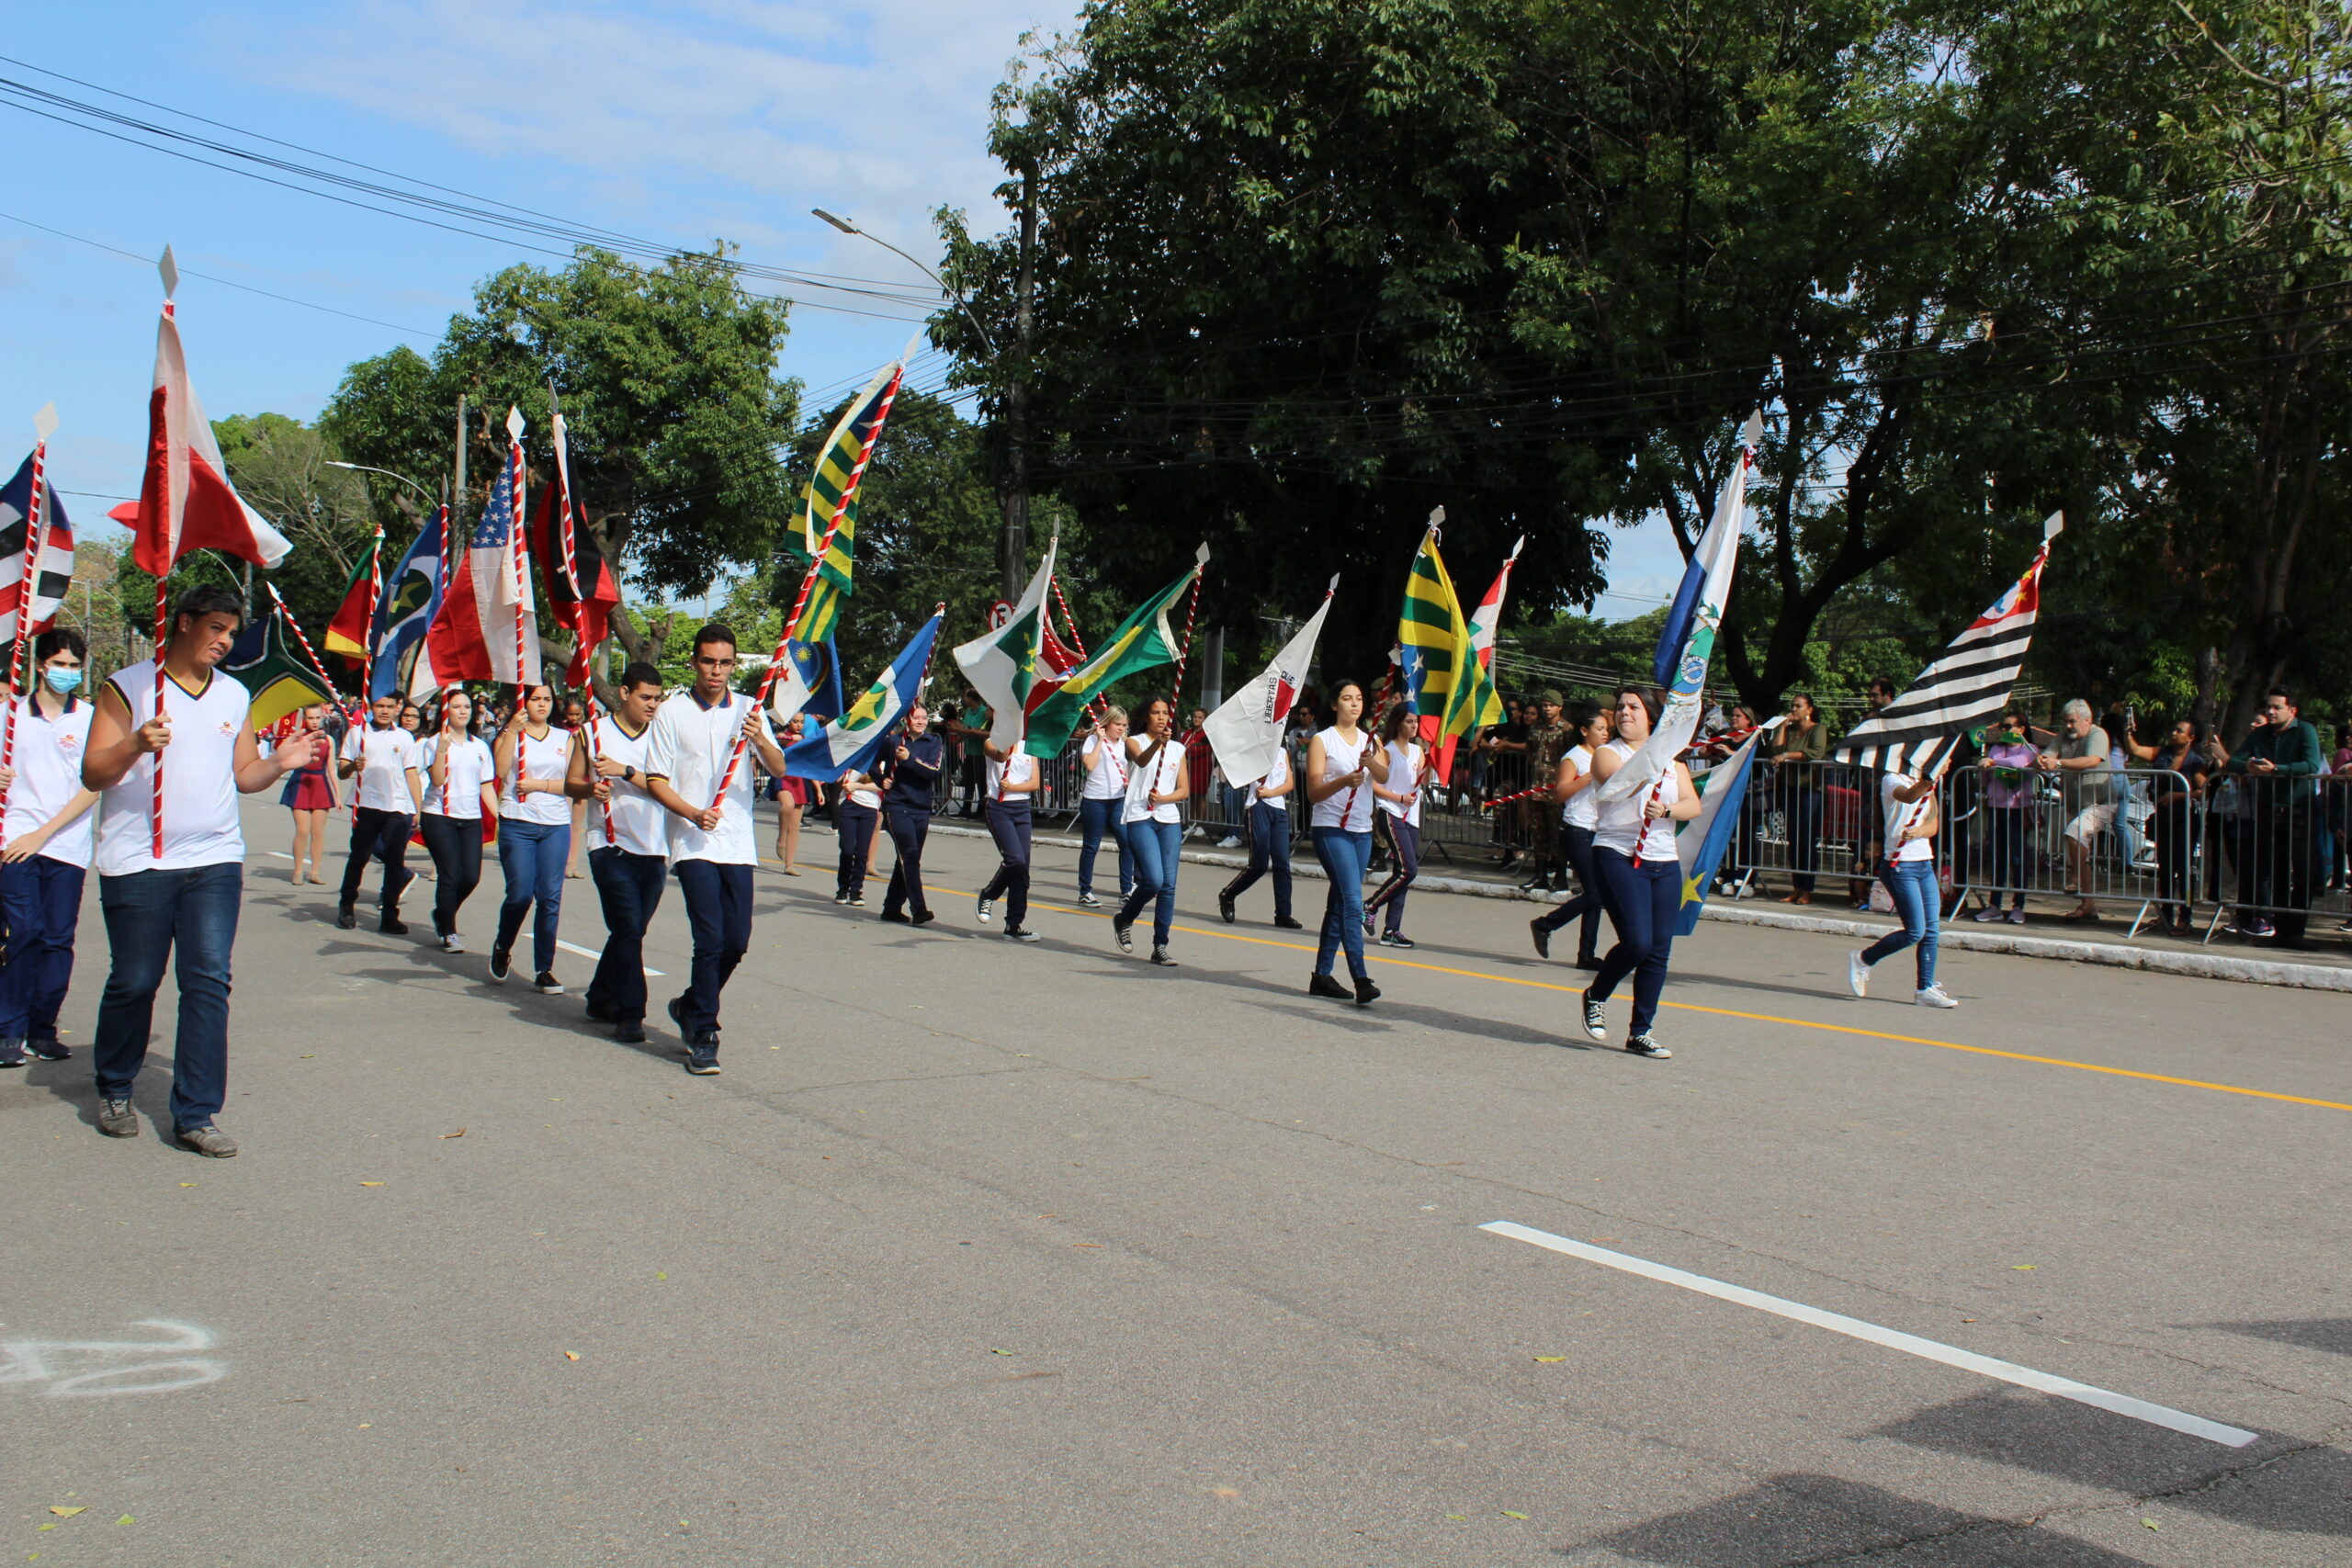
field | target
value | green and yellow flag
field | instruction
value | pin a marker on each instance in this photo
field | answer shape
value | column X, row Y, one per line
column 836, row 474
column 1143, row 641
column 278, row 677
column 1443, row 677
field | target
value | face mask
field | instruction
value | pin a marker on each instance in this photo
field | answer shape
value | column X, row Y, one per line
column 63, row 680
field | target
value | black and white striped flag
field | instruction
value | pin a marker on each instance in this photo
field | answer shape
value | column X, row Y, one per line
column 56, row 556
column 1967, row 686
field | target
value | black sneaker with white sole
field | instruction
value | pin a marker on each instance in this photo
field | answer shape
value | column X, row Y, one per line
column 1596, row 1019
column 501, row 964
column 1124, row 935
column 1159, row 956
column 1019, row 934
column 1647, row 1046
column 987, row 910
column 546, row 985
column 48, row 1048
column 703, row 1060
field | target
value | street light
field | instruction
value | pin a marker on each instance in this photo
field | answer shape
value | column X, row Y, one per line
column 846, row 227
column 430, row 499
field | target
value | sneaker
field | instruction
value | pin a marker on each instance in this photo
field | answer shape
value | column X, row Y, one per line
column 924, row 919
column 841, row 898
column 1596, row 1019
column 702, row 1061
column 1228, row 843
column 546, row 985
column 452, row 943
column 501, row 964
column 629, row 1032
column 210, row 1141
column 12, row 1052
column 1542, row 939
column 987, row 909
column 1225, row 909
column 1159, row 956
column 1089, row 901
column 2259, row 927
column 1990, row 913
column 1284, row 922
column 116, row 1119
column 1324, row 986
column 896, row 917
column 858, row 902
column 1858, row 973
column 1647, row 1046
column 1123, row 936
column 1020, row 933
column 346, row 915
column 392, row 925
column 1366, row 992
column 677, row 1011
column 1934, row 996
column 2016, row 916
column 47, row 1048
column 1370, row 923
column 1395, row 939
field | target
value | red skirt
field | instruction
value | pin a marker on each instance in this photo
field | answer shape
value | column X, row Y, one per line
column 794, row 790
column 312, row 794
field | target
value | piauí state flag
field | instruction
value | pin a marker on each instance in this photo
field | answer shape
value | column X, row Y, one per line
column 411, row 598
column 1442, row 672
column 1700, row 844
column 1006, row 663
column 1713, row 564
column 852, row 740
column 279, row 678
column 836, row 474
column 1144, row 641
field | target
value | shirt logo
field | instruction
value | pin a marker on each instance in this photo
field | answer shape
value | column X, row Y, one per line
column 227, row 729
column 68, row 741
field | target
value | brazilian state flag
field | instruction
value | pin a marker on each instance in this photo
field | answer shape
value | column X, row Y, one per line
column 279, row 679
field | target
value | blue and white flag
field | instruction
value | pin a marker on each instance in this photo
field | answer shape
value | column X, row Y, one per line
column 852, row 740
column 1700, row 844
column 407, row 606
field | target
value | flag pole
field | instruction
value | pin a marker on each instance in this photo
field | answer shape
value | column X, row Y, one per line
column 36, row 543
column 519, row 548
column 375, row 599
column 570, row 564
column 308, row 651
column 1185, row 653
column 808, row 580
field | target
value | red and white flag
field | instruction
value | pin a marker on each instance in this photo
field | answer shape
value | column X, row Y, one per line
column 1246, row 731
column 489, row 625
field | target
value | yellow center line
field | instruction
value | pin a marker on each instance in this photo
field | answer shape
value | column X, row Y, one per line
column 1748, row 1017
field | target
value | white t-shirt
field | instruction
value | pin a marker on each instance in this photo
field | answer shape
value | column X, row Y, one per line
column 1017, row 769
column 864, row 795
column 1350, row 809
column 1404, row 773
column 1898, row 816
column 1276, row 776
column 537, row 759
column 1583, row 809
column 470, row 767
column 1157, row 777
column 49, row 774
column 385, row 757
column 1106, row 768
column 689, row 745
column 640, row 823
column 200, row 825
column 1620, row 823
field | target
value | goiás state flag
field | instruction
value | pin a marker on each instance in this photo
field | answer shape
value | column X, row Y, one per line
column 854, row 741
column 1246, row 731
column 56, row 570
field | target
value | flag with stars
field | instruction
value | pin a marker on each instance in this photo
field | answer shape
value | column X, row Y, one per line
column 1700, row 842
column 852, row 740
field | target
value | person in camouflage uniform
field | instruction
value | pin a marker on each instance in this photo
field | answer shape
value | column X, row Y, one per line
column 1548, row 740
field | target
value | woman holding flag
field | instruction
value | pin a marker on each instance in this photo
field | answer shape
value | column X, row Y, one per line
column 1014, row 778
column 1909, row 871
column 534, row 835
column 1158, row 782
column 1641, row 879
column 1342, row 763
column 460, row 792
column 1401, row 816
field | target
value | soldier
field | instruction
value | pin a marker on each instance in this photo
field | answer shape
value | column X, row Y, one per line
column 1548, row 740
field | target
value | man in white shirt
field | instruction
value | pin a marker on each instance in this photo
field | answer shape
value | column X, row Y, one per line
column 383, row 756
column 712, row 850
column 627, row 846
column 46, row 851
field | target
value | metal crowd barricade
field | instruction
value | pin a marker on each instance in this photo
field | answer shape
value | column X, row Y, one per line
column 2274, row 855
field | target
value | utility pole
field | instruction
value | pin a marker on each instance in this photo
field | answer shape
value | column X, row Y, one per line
column 458, row 496
column 1012, row 546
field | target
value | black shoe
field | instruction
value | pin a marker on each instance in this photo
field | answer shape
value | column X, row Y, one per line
column 1596, row 1020
column 501, row 964
column 896, row 917
column 346, row 915
column 1288, row 924
column 1643, row 1046
column 1225, row 908
column 1534, row 886
column 116, row 1119
column 1366, row 992
column 926, row 917
column 12, row 1053
column 1159, row 956
column 1123, row 935
column 702, row 1060
column 1586, row 961
column 840, row 898
column 46, row 1047
column 598, row 1012
column 1020, row 933
column 1395, row 939
column 629, row 1032
column 392, row 925
column 1324, row 986
column 546, row 985
column 677, row 1010
column 1542, row 936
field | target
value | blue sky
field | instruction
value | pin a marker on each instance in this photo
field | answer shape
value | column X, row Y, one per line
column 673, row 121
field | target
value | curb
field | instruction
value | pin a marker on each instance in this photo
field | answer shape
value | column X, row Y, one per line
column 2118, row 955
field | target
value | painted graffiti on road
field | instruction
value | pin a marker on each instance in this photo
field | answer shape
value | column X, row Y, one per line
column 111, row 1368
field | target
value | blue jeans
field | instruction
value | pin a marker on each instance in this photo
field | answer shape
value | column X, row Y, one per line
column 1345, row 856
column 1153, row 846
column 1919, row 901
column 148, row 913
column 40, row 903
column 531, row 855
column 629, row 887
column 1269, row 851
column 1644, row 903
column 1096, row 818
column 1405, row 841
column 718, row 910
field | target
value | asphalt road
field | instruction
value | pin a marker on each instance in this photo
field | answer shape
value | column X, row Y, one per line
column 982, row 1254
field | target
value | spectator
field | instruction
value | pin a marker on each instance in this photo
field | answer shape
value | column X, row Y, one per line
column 1507, row 774
column 2280, row 760
column 967, row 731
column 2337, row 793
column 1803, row 742
column 1201, row 759
column 2007, row 768
column 1868, row 847
column 1548, row 740
column 2176, row 821
column 2080, row 757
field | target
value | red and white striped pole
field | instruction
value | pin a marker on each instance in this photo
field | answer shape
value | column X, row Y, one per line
column 36, row 543
column 375, row 602
column 519, row 548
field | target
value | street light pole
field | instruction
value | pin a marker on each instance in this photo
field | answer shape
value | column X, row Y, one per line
column 430, row 499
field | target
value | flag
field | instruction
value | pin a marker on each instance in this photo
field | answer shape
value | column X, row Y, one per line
column 279, row 679
column 56, row 573
column 348, row 632
column 1483, row 622
column 1442, row 674
column 811, row 682
column 581, row 589
column 1005, row 665
column 1246, row 731
column 854, row 738
column 832, row 488
column 1966, row 686
column 409, row 604
column 1700, row 844
column 1713, row 567
column 488, row 630
column 1143, row 641
column 186, row 501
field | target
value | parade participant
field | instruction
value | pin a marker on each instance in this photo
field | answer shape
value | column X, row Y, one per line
column 460, row 792
column 909, row 774
column 1400, row 818
column 44, row 850
column 1159, row 779
column 187, row 897
column 1269, row 843
column 1548, row 740
column 382, row 756
column 857, row 810
column 1579, row 817
column 533, row 836
column 1342, row 764
column 1102, row 803
column 310, row 793
column 1643, row 899
column 1909, row 809
column 712, row 847
column 628, row 845
column 791, row 799
column 1014, row 779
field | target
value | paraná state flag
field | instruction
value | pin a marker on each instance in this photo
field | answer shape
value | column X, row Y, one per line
column 265, row 661
column 852, row 740
column 1246, row 731
column 56, row 572
column 347, row 631
column 1006, row 663
column 1442, row 675
column 1143, row 641
column 580, row 586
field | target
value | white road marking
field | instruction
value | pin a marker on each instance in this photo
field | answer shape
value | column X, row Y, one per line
column 592, row 952
column 281, row 854
column 1894, row 1339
